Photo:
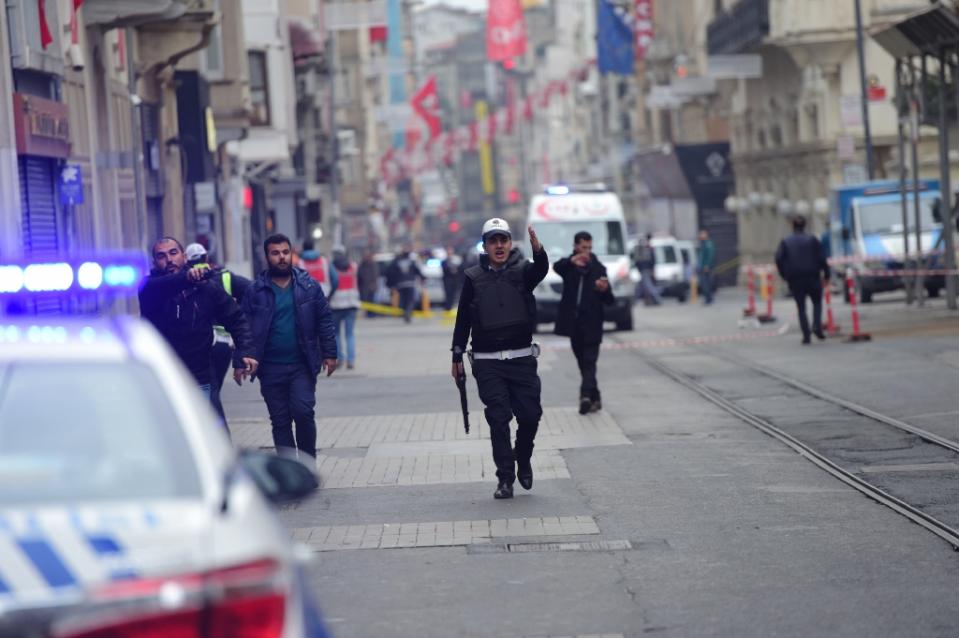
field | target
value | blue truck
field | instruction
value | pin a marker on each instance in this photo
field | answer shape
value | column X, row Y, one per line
column 866, row 230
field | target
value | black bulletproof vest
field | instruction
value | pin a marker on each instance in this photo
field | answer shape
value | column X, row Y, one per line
column 500, row 299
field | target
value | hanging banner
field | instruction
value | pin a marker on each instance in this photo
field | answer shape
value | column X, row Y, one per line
column 643, row 31
column 505, row 30
column 426, row 104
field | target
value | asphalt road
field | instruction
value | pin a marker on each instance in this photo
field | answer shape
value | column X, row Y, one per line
column 663, row 515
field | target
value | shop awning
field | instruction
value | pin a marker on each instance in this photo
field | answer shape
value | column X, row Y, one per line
column 926, row 31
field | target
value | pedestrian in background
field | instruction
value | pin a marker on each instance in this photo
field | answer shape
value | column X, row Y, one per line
column 646, row 265
column 802, row 262
column 580, row 317
column 452, row 277
column 368, row 278
column 497, row 307
column 318, row 267
column 707, row 262
column 345, row 303
column 402, row 276
column 223, row 346
column 184, row 305
column 294, row 339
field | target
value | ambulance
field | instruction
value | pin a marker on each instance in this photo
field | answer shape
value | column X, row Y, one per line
column 557, row 215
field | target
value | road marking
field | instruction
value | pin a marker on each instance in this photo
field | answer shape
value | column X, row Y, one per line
column 439, row 534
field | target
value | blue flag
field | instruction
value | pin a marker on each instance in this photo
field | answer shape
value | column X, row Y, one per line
column 614, row 39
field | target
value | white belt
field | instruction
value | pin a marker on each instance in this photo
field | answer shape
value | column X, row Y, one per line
column 504, row 355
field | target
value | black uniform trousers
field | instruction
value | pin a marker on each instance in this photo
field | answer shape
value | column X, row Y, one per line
column 509, row 388
column 586, row 356
column 802, row 287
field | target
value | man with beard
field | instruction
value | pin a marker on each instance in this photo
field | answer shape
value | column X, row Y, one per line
column 498, row 307
column 294, row 339
column 585, row 291
column 184, row 306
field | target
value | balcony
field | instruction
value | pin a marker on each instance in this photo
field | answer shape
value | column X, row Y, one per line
column 740, row 29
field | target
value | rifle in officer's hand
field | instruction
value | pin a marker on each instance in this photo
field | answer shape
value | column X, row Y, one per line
column 461, row 384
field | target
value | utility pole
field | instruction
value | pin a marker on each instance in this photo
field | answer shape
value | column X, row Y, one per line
column 334, row 62
column 870, row 167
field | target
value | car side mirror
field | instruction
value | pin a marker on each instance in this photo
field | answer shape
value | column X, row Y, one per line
column 281, row 479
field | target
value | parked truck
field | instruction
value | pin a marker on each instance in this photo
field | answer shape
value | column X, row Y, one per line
column 867, row 233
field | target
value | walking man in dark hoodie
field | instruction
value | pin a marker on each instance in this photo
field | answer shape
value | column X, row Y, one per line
column 580, row 317
column 497, row 306
column 294, row 340
column 802, row 263
column 184, row 305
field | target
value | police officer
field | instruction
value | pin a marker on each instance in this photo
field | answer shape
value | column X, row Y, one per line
column 498, row 307
column 222, row 353
column 802, row 262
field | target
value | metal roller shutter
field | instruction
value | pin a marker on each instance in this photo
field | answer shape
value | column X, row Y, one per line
column 41, row 234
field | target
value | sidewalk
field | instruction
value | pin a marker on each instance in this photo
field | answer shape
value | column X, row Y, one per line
column 661, row 515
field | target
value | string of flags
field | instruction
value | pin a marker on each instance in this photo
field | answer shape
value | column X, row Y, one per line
column 440, row 148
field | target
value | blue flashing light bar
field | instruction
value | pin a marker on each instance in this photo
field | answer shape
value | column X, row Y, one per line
column 120, row 273
column 558, row 189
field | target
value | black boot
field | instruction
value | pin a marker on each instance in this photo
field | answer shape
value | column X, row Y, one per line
column 524, row 472
column 503, row 490
column 584, row 405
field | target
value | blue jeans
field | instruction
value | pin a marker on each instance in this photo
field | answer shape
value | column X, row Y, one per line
column 347, row 318
column 706, row 284
column 290, row 394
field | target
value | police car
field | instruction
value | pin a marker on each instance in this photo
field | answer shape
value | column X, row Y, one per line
column 124, row 509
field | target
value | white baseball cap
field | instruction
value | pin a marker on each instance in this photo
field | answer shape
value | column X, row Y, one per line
column 194, row 251
column 496, row 226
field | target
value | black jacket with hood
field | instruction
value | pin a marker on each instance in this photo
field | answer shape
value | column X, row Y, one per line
column 581, row 306
column 185, row 312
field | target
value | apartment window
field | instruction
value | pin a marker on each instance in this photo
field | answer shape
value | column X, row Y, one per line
column 259, row 89
column 212, row 57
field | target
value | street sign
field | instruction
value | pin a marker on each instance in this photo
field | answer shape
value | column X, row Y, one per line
column 735, row 67
column 850, row 111
column 70, row 185
column 846, row 148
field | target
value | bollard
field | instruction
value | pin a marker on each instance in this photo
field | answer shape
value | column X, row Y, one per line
column 750, row 309
column 395, row 298
column 693, row 289
column 832, row 328
column 768, row 293
column 425, row 305
column 856, row 335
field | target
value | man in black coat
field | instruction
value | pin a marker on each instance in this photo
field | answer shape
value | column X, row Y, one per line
column 801, row 261
column 580, row 317
column 184, row 305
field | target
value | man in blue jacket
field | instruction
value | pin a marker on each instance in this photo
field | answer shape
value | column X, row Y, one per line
column 801, row 262
column 294, row 339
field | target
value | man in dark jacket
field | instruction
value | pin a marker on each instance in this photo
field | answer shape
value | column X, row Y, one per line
column 498, row 307
column 402, row 276
column 580, row 316
column 184, row 306
column 802, row 263
column 294, row 339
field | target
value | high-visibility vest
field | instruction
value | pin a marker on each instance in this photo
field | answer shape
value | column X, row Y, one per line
column 319, row 270
column 347, row 292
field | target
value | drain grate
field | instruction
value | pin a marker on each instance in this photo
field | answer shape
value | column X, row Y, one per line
column 572, row 546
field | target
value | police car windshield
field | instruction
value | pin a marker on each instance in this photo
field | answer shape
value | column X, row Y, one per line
column 557, row 237
column 74, row 432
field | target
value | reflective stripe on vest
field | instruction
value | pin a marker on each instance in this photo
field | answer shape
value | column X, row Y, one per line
column 220, row 335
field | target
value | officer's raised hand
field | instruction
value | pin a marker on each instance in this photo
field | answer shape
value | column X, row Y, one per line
column 534, row 240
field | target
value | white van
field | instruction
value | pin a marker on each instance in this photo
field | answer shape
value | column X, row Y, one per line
column 561, row 212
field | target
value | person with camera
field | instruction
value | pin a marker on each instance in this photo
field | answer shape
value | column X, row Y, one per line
column 183, row 305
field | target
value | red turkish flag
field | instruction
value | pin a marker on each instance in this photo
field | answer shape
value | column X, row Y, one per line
column 46, row 38
column 505, row 30
column 426, row 104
